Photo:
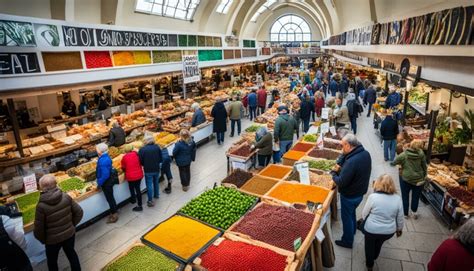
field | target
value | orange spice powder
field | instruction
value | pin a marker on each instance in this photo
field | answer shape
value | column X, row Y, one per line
column 275, row 171
column 299, row 193
column 258, row 185
column 294, row 155
column 304, row 147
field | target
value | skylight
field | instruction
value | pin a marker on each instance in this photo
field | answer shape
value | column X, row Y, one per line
column 178, row 9
column 224, row 6
column 262, row 9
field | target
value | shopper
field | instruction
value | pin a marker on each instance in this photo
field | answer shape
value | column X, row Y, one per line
column 132, row 168
column 341, row 114
column 150, row 157
column 412, row 175
column 252, row 97
column 344, row 85
column 83, row 106
column 353, row 108
column 333, row 87
column 262, row 99
column 370, row 97
column 55, row 223
column 198, row 115
column 184, row 153
column 296, row 114
column 103, row 174
column 219, row 113
column 236, row 111
column 69, row 108
column 264, row 144
column 456, row 253
column 383, row 217
column 285, row 127
column 116, row 135
column 245, row 103
column 166, row 169
column 306, row 109
column 393, row 99
column 389, row 132
column 102, row 103
column 351, row 175
column 359, row 88
column 12, row 242
column 319, row 102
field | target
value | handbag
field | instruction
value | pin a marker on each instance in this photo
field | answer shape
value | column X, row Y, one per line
column 113, row 178
column 360, row 224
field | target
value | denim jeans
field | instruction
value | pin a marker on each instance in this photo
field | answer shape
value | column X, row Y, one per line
column 220, row 137
column 253, row 112
column 276, row 157
column 405, row 188
column 354, row 124
column 389, row 149
column 152, row 185
column 305, row 125
column 285, row 145
column 232, row 127
column 369, row 109
column 348, row 217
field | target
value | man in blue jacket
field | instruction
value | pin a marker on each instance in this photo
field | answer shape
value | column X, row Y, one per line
column 351, row 175
column 370, row 97
column 333, row 87
column 393, row 99
column 389, row 132
column 150, row 158
column 252, row 100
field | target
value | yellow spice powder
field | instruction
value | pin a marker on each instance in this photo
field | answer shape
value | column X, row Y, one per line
column 181, row 236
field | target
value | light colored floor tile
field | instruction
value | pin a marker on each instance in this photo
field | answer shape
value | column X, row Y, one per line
column 409, row 266
column 420, row 257
column 111, row 240
column 383, row 264
column 395, row 254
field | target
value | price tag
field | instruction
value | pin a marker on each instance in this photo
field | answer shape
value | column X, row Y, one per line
column 325, row 113
column 56, row 128
column 30, row 183
column 332, row 129
column 324, row 128
column 320, row 235
column 303, row 170
column 297, row 243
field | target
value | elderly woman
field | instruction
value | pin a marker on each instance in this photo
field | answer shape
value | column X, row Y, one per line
column 456, row 253
column 132, row 168
column 151, row 159
column 57, row 215
column 264, row 144
column 383, row 215
column 219, row 113
column 412, row 175
column 103, row 170
column 198, row 116
column 184, row 153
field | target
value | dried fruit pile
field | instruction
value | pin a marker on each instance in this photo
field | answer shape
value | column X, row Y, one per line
column 236, row 256
column 181, row 236
column 243, row 151
column 279, row 226
column 259, row 185
column 324, row 153
column 238, row 177
column 304, row 147
column 332, row 144
column 275, row 171
column 299, row 193
column 142, row 258
column 220, row 207
column 467, row 197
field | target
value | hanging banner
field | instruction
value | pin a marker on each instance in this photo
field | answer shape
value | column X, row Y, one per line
column 191, row 72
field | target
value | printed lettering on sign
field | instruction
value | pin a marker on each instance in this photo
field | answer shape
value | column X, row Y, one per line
column 18, row 63
column 78, row 36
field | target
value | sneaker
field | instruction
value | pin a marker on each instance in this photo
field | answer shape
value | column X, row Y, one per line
column 185, row 188
column 112, row 218
column 168, row 189
column 150, row 204
column 414, row 215
column 137, row 209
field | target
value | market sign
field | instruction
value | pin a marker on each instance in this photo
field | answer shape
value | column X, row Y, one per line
column 191, row 72
column 30, row 183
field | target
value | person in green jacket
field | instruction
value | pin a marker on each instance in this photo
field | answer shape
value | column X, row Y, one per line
column 236, row 111
column 264, row 144
column 285, row 128
column 412, row 175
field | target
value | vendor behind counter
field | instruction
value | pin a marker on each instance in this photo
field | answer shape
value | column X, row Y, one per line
column 116, row 135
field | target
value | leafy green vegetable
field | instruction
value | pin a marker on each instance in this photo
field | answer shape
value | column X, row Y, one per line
column 252, row 128
column 71, row 184
column 310, row 138
column 142, row 258
column 322, row 164
column 27, row 204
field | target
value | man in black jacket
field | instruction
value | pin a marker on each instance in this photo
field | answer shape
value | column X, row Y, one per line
column 370, row 97
column 389, row 132
column 351, row 175
column 116, row 135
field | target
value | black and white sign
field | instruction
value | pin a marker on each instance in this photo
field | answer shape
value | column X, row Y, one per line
column 106, row 37
column 78, row 36
column 191, row 72
column 18, row 63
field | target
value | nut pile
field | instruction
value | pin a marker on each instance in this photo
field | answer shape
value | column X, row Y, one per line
column 238, row 177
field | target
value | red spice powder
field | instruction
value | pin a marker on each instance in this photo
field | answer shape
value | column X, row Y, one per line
column 239, row 256
column 304, row 147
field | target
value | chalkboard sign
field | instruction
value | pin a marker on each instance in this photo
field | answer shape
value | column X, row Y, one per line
column 18, row 63
column 116, row 38
column 78, row 36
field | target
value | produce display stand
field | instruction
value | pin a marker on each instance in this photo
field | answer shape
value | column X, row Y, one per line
column 236, row 161
column 203, row 132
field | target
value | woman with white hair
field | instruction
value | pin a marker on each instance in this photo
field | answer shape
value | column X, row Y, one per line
column 264, row 144
column 198, row 116
column 57, row 215
column 103, row 170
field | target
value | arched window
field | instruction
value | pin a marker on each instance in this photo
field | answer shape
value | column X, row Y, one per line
column 290, row 28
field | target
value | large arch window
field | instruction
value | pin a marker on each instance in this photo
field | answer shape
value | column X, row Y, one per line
column 289, row 28
column 178, row 9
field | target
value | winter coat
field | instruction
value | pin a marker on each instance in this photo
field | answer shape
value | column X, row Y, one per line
column 319, row 105
column 150, row 158
column 262, row 97
column 293, row 84
column 333, row 87
column 306, row 109
column 117, row 137
column 235, row 110
column 370, row 95
column 132, row 167
column 353, row 178
column 184, row 153
column 198, row 118
column 252, row 99
column 344, row 86
column 342, row 115
column 452, row 255
column 219, row 113
column 413, row 166
column 393, row 99
column 103, row 168
column 265, row 145
column 389, row 128
column 353, row 108
column 57, row 215
column 285, row 127
column 245, row 101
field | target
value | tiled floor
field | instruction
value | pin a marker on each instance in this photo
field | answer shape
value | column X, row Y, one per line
column 101, row 242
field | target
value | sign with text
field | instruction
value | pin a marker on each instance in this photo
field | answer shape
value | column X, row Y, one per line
column 303, row 170
column 107, row 37
column 30, row 183
column 191, row 72
column 324, row 128
column 325, row 113
column 18, row 63
column 78, row 36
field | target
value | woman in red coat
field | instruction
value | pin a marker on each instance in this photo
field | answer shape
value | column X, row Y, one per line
column 132, row 168
column 319, row 102
column 456, row 253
